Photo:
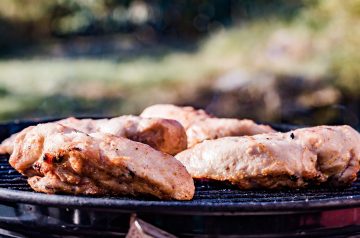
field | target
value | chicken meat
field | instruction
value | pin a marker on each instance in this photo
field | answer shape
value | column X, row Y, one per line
column 201, row 126
column 299, row 158
column 162, row 134
column 60, row 159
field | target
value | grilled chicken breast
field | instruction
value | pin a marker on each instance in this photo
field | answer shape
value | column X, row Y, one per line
column 201, row 126
column 323, row 154
column 59, row 159
column 162, row 134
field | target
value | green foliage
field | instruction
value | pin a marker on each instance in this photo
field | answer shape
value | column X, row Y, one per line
column 318, row 42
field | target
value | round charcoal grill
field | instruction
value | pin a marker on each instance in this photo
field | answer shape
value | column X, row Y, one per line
column 216, row 210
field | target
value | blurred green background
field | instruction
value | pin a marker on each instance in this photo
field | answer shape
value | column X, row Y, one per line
column 277, row 61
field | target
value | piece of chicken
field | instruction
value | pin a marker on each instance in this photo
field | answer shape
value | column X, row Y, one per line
column 7, row 145
column 201, row 126
column 162, row 134
column 60, row 159
column 323, row 154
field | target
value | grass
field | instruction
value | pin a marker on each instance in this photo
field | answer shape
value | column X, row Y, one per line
column 28, row 85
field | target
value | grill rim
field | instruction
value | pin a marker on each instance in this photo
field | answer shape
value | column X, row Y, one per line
column 178, row 207
column 212, row 207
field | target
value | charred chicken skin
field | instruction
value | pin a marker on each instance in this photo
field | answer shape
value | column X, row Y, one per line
column 162, row 134
column 303, row 157
column 201, row 126
column 60, row 159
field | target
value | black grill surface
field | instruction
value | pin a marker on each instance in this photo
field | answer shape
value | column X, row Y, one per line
column 210, row 197
column 10, row 178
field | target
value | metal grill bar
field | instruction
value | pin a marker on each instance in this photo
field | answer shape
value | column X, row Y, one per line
column 211, row 191
column 9, row 178
column 209, row 196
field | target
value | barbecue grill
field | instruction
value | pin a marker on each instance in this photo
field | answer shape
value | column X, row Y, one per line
column 217, row 209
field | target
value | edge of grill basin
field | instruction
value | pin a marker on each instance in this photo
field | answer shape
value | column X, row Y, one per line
column 211, row 198
column 178, row 207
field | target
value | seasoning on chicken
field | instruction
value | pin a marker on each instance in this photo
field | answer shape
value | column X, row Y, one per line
column 201, row 126
column 303, row 157
column 162, row 134
column 59, row 159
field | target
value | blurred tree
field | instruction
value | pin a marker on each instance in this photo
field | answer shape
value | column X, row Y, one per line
column 33, row 21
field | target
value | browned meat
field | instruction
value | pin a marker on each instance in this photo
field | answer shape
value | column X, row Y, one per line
column 324, row 154
column 162, row 134
column 59, row 159
column 201, row 126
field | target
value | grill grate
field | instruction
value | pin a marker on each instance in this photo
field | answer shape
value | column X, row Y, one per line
column 10, row 178
column 213, row 192
column 210, row 197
